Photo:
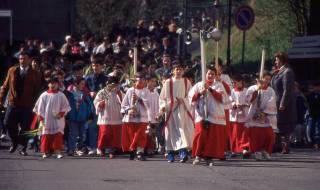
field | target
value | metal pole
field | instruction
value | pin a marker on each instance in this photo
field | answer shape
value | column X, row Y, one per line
column 72, row 15
column 203, row 69
column 243, row 46
column 229, row 34
column 217, row 48
column 185, row 25
column 203, row 57
column 11, row 30
column 179, row 45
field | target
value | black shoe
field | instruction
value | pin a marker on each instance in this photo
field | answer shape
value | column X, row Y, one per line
column 131, row 156
column 13, row 148
column 140, row 157
column 23, row 153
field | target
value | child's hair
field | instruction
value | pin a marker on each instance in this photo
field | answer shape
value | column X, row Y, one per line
column 151, row 76
column 212, row 68
column 53, row 79
column 238, row 78
column 78, row 80
column 58, row 73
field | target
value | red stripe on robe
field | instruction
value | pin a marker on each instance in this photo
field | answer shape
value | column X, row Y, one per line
column 209, row 142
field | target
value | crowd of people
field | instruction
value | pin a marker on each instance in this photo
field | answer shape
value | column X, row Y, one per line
column 86, row 98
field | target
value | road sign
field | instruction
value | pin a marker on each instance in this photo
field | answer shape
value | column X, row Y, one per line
column 8, row 13
column 244, row 17
column 5, row 13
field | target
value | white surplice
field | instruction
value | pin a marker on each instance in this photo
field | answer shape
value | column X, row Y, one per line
column 142, row 106
column 110, row 113
column 267, row 98
column 47, row 107
column 180, row 126
column 238, row 98
column 215, row 109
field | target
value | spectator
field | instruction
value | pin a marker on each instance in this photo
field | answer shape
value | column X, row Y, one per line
column 299, row 137
column 166, row 65
column 23, row 85
column 283, row 85
column 313, row 119
column 95, row 82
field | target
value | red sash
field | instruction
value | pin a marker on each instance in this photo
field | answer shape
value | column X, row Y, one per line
column 172, row 101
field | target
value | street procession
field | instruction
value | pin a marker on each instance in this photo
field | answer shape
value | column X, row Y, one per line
column 164, row 89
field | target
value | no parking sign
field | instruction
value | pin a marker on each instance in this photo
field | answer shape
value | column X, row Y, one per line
column 244, row 17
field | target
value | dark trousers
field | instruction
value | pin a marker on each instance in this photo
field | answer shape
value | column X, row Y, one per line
column 18, row 120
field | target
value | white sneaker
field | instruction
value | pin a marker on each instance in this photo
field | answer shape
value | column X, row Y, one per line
column 45, row 156
column 266, row 155
column 245, row 152
column 79, row 153
column 210, row 163
column 196, row 161
column 99, row 152
column 59, row 156
column 92, row 152
column 3, row 136
column 258, row 156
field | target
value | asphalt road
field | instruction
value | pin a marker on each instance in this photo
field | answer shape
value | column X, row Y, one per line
column 299, row 170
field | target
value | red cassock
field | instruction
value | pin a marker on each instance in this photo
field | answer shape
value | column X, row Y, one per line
column 261, row 138
column 51, row 142
column 133, row 136
column 239, row 139
column 209, row 142
column 109, row 136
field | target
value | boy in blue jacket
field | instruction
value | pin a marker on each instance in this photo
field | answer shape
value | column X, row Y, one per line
column 82, row 110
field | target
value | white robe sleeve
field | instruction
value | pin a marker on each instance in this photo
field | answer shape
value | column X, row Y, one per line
column 97, row 100
column 193, row 91
column 125, row 104
column 164, row 96
column 40, row 108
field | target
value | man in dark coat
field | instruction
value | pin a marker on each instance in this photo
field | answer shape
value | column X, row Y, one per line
column 22, row 85
column 283, row 84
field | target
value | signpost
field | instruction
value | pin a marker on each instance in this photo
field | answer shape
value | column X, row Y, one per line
column 244, row 18
column 8, row 13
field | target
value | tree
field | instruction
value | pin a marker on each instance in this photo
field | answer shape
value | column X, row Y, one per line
column 99, row 16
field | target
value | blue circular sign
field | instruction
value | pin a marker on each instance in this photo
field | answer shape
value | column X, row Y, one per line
column 244, row 17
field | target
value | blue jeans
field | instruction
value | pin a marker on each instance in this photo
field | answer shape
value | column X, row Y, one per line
column 75, row 136
column 313, row 130
column 92, row 134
